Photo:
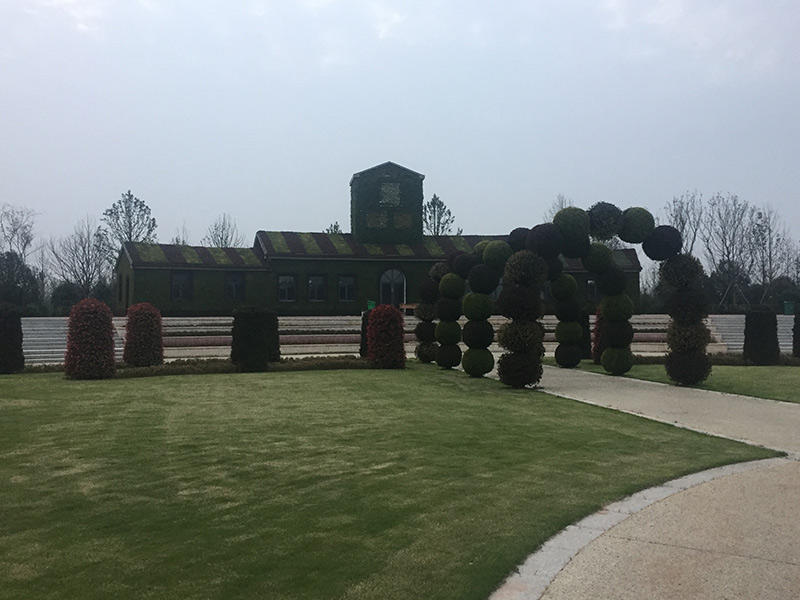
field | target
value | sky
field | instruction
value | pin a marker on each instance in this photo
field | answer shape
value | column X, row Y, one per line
column 264, row 109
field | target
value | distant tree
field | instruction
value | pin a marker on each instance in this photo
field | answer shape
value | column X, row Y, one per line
column 223, row 233
column 437, row 218
column 65, row 295
column 771, row 245
column 560, row 202
column 128, row 220
column 18, row 283
column 333, row 228
column 685, row 213
column 181, row 237
column 16, row 229
column 81, row 258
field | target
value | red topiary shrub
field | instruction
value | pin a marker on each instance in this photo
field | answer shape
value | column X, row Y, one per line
column 385, row 343
column 90, row 341
column 143, row 342
column 600, row 344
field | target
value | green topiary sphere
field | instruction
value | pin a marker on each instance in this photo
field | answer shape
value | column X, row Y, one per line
column 612, row 281
column 605, row 220
column 688, row 368
column 617, row 334
column 564, row 287
column 568, row 355
column 574, row 225
column 520, row 302
column 448, row 333
column 618, row 307
column 463, row 263
column 448, row 356
column 569, row 332
column 425, row 312
column 545, row 240
column 637, row 225
column 439, row 270
column 617, row 360
column 477, row 306
column 664, row 242
column 483, row 279
column 684, row 337
column 568, row 309
column 598, row 259
column 478, row 334
column 477, row 362
column 448, row 309
column 496, row 254
column 426, row 352
column 425, row 332
column 479, row 248
column 521, row 336
column 452, row 286
column 517, row 238
column 519, row 370
column 525, row 268
column 681, row 271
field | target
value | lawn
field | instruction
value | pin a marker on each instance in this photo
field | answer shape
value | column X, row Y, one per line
column 418, row 483
column 773, row 382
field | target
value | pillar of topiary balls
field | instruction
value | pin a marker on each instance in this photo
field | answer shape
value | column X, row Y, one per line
column 478, row 333
column 761, row 345
column 12, row 358
column 524, row 273
column 144, row 345
column 569, row 331
column 448, row 311
column 425, row 312
column 90, row 341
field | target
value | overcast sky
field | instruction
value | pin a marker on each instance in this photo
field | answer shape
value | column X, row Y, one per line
column 264, row 109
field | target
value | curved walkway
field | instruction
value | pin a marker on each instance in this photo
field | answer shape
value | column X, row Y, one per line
column 728, row 533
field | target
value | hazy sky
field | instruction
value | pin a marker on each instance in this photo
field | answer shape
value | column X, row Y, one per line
column 264, row 109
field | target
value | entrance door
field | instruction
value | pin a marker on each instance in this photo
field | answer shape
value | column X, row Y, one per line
column 393, row 287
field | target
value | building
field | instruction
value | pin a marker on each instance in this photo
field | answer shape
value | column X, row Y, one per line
column 383, row 261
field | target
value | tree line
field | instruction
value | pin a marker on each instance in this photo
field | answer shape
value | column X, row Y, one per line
column 49, row 277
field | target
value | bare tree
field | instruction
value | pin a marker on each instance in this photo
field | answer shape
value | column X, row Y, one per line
column 129, row 220
column 685, row 213
column 334, row 228
column 181, row 237
column 771, row 248
column 223, row 233
column 560, row 202
column 81, row 257
column 726, row 235
column 16, row 229
column 437, row 218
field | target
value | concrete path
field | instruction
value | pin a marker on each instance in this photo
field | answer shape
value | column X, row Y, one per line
column 728, row 533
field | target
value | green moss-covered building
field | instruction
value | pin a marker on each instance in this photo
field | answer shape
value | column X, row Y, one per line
column 383, row 260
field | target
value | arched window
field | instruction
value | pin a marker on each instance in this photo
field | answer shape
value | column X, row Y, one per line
column 393, row 287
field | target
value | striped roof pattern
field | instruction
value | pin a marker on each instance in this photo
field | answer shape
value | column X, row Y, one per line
column 192, row 257
column 343, row 245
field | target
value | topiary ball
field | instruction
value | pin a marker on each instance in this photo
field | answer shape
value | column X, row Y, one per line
column 483, row 279
column 496, row 254
column 452, row 286
column 681, row 271
column 554, row 268
column 569, row 332
column 448, row 309
column 688, row 368
column 463, row 264
column 439, row 270
column 426, row 352
column 517, row 238
column 568, row 355
column 564, row 287
column 525, row 268
column 519, row 370
column 637, row 225
column 686, row 337
column 479, row 248
column 605, row 220
column 521, row 336
column 687, row 306
column 568, row 309
column 477, row 307
column 617, row 360
column 617, row 334
column 429, row 290
column 448, row 333
column 519, row 302
column 598, row 259
column 425, row 312
column 545, row 240
column 612, row 281
column 618, row 307
column 574, row 225
column 478, row 334
column 665, row 241
column 451, row 258
column 425, row 332
column 477, row 362
column 448, row 356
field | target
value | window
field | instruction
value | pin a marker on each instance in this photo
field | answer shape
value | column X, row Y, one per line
column 234, row 287
column 287, row 288
column 347, row 288
column 393, row 287
column 390, row 194
column 182, row 286
column 316, row 288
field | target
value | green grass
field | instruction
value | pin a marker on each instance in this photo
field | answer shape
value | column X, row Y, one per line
column 418, row 483
column 774, row 383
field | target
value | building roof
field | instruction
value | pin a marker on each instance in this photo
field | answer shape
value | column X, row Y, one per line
column 144, row 255
column 389, row 165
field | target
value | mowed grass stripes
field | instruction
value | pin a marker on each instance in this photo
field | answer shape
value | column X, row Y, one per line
column 418, row 483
